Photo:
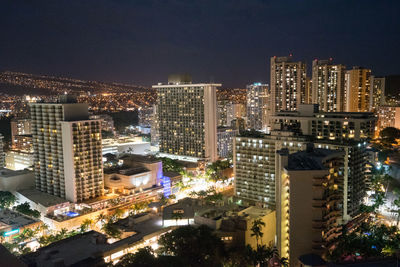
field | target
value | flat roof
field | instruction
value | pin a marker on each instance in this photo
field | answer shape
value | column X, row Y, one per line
column 82, row 247
column 69, row 251
column 8, row 259
column 42, row 198
column 15, row 219
column 7, row 173
column 310, row 160
column 141, row 158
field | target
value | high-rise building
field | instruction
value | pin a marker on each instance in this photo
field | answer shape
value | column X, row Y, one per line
column 226, row 135
column 308, row 92
column 388, row 116
column 328, row 85
column 254, row 164
column 154, row 131
column 67, row 150
column 345, row 131
column 187, row 119
column 146, row 116
column 310, row 121
column 358, row 90
column 222, row 115
column 309, row 201
column 257, row 106
column 288, row 84
column 2, row 162
column 233, row 111
column 378, row 93
column 228, row 111
column 21, row 134
column 107, row 122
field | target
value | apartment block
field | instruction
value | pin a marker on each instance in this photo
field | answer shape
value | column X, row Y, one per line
column 257, row 106
column 226, row 135
column 358, row 90
column 67, row 150
column 309, row 120
column 378, row 93
column 309, row 201
column 388, row 116
column 254, row 164
column 328, row 85
column 187, row 119
column 288, row 83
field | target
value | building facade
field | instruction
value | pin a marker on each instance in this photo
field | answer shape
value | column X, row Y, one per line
column 309, row 201
column 107, row 122
column 83, row 161
column 67, row 150
column 187, row 120
column 225, row 138
column 288, row 84
column 257, row 106
column 328, row 85
column 21, row 134
column 388, row 116
column 378, row 93
column 18, row 160
column 345, row 131
column 254, row 164
column 358, row 90
column 328, row 125
column 2, row 155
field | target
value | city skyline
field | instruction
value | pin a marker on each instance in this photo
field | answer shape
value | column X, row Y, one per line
column 143, row 42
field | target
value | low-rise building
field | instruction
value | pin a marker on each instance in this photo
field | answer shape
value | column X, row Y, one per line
column 18, row 160
column 12, row 223
column 95, row 249
column 118, row 146
column 234, row 225
column 42, row 202
column 129, row 180
column 16, row 180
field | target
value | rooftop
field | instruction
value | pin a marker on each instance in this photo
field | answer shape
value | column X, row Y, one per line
column 141, row 158
column 9, row 218
column 126, row 170
column 69, row 251
column 310, row 159
column 7, row 173
column 83, row 247
column 41, row 198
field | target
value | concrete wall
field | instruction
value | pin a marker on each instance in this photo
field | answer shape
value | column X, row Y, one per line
column 269, row 231
column 21, row 180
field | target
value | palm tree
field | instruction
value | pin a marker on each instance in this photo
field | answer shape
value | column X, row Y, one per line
column 256, row 229
column 176, row 216
column 101, row 218
column 118, row 213
column 86, row 224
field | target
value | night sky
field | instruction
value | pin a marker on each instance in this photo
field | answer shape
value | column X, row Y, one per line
column 141, row 42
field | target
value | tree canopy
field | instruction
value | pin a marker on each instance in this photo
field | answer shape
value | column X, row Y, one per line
column 7, row 199
column 195, row 246
column 25, row 208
